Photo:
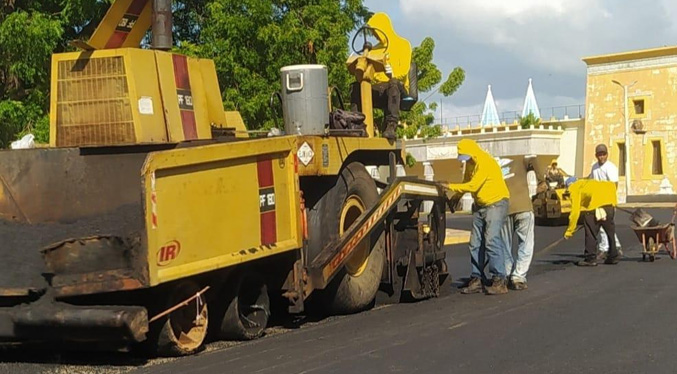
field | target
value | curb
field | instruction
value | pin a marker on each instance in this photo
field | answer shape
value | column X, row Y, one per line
column 646, row 205
column 454, row 236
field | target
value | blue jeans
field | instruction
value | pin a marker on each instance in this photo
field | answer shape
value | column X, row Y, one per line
column 521, row 224
column 486, row 245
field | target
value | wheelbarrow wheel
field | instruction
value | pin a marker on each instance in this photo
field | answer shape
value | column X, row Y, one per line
column 652, row 248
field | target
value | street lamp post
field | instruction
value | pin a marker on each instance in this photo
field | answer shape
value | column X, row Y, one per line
column 628, row 171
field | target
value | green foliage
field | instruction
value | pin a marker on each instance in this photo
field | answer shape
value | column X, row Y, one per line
column 453, row 82
column 410, row 160
column 251, row 40
column 419, row 120
column 30, row 31
column 428, row 73
column 27, row 40
column 529, row 120
column 17, row 116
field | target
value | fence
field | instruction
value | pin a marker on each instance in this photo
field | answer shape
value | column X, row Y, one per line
column 553, row 113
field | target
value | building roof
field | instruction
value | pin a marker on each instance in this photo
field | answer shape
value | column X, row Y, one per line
column 631, row 55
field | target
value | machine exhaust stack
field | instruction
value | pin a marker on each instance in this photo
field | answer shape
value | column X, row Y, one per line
column 162, row 25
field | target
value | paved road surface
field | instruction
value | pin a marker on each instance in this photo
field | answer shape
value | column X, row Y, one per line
column 608, row 319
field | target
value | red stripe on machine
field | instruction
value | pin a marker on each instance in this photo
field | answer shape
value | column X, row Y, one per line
column 264, row 171
column 188, row 124
column 137, row 7
column 117, row 39
column 268, row 229
column 126, row 24
column 181, row 76
column 184, row 97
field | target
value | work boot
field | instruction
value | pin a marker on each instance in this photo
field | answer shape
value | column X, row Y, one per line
column 587, row 262
column 389, row 132
column 474, row 286
column 498, row 286
column 612, row 260
column 517, row 285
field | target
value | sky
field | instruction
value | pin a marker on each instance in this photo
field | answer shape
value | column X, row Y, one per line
column 506, row 42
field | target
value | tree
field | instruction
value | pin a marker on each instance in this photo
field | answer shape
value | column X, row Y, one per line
column 529, row 120
column 419, row 120
column 30, row 31
column 250, row 40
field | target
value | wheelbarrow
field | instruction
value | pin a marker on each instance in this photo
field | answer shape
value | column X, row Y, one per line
column 654, row 237
column 652, row 234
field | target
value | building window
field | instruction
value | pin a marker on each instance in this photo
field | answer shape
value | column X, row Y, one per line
column 639, row 106
column 657, row 160
column 621, row 159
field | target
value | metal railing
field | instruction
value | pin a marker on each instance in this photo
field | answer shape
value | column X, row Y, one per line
column 547, row 114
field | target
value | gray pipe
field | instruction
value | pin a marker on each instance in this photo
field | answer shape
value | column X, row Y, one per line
column 162, row 24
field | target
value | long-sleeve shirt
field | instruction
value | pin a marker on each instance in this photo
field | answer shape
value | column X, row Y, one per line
column 588, row 195
column 518, row 185
column 484, row 180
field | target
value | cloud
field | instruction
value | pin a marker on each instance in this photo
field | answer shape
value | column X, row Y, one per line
column 553, row 33
column 506, row 42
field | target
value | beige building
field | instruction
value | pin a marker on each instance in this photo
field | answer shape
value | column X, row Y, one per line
column 650, row 77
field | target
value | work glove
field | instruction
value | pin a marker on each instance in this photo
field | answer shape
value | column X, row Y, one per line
column 600, row 214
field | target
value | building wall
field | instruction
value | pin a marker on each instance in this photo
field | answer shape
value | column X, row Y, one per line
column 571, row 147
column 656, row 78
column 561, row 139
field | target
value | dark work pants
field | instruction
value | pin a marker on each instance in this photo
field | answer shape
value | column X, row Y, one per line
column 592, row 232
column 385, row 96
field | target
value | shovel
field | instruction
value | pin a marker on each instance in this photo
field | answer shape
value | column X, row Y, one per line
column 640, row 218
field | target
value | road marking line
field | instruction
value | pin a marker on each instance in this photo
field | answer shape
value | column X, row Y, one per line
column 460, row 324
column 454, row 236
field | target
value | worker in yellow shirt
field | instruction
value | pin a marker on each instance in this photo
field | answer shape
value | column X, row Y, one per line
column 596, row 200
column 484, row 180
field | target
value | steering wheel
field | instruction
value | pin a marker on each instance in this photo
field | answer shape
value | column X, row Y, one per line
column 364, row 30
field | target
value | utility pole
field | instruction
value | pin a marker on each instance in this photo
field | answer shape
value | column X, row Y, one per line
column 627, row 136
column 441, row 113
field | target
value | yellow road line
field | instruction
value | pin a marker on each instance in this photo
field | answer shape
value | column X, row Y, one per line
column 454, row 236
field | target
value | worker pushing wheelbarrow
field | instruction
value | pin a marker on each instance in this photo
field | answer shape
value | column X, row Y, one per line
column 653, row 235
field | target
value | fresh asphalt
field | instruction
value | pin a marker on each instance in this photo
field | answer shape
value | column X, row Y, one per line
column 608, row 319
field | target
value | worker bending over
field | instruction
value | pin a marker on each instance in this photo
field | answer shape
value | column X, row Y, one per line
column 596, row 200
column 484, row 180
